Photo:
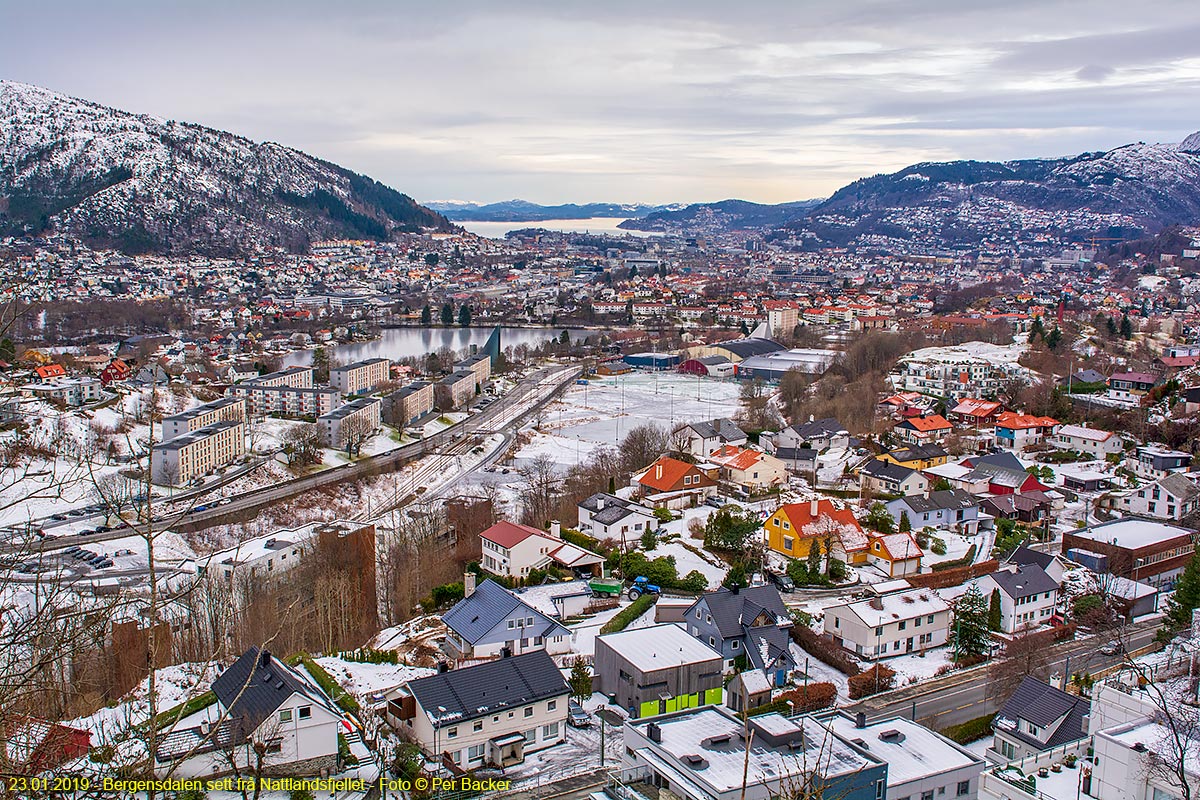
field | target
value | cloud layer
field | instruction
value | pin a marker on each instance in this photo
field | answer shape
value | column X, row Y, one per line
column 624, row 101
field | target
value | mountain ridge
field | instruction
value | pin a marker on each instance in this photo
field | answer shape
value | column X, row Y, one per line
column 526, row 211
column 141, row 183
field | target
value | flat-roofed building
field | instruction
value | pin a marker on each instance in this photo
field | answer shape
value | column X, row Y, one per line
column 361, row 376
column 190, row 455
column 657, row 670
column 1138, row 549
column 225, row 409
column 296, row 377
column 286, row 401
column 480, row 365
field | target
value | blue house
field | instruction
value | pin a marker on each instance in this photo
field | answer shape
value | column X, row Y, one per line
column 751, row 622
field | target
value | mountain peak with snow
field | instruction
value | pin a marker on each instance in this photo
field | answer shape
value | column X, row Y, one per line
column 1191, row 144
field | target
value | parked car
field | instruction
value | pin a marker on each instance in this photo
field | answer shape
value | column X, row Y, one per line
column 782, row 581
column 577, row 717
column 108, row 562
column 716, row 501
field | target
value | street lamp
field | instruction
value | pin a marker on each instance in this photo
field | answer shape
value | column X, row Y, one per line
column 437, row 738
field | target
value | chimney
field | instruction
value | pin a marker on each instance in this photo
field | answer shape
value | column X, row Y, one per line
column 468, row 584
column 506, row 652
column 443, row 666
column 654, row 733
column 736, row 588
column 600, row 503
column 812, row 507
column 658, row 471
column 556, row 528
column 264, row 658
column 812, row 417
column 860, row 720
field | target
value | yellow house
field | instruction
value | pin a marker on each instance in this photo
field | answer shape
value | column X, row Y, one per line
column 793, row 527
column 917, row 456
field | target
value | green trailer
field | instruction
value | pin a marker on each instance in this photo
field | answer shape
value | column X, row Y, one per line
column 606, row 587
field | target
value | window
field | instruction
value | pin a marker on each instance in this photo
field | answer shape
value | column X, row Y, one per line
column 275, row 746
column 285, row 715
column 511, row 624
column 929, row 619
column 735, row 644
column 529, row 711
column 903, row 624
column 478, row 726
column 879, row 631
column 712, row 642
column 837, row 622
column 1007, row 750
column 927, row 795
column 530, row 736
column 917, row 623
column 964, row 787
column 941, row 790
column 305, row 712
column 475, row 752
column 452, row 733
column 788, row 542
column 551, row 705
column 1034, row 729
column 550, row 731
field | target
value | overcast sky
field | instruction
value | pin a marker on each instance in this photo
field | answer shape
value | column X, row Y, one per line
column 563, row 101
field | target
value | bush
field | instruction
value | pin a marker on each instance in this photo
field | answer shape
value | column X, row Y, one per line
column 628, row 614
column 694, row 581
column 649, row 541
column 804, row 700
column 965, row 561
column 798, row 571
column 662, row 514
column 328, row 685
column 823, row 649
column 938, row 546
column 875, row 680
column 970, row 731
column 446, row 594
column 802, row 617
column 581, row 540
column 837, row 570
column 369, row 655
column 1089, row 602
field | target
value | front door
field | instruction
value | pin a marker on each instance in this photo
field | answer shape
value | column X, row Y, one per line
column 908, row 645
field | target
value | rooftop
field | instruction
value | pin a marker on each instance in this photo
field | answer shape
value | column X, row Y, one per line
column 659, row 647
column 912, row 751
column 1132, row 533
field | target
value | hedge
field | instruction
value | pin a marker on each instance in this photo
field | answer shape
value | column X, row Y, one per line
column 628, row 614
column 805, row 700
column 581, row 540
column 824, row 649
column 878, row 678
column 939, row 579
column 344, row 699
column 966, row 560
column 970, row 731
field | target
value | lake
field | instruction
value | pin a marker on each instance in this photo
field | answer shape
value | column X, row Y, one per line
column 496, row 230
column 397, row 343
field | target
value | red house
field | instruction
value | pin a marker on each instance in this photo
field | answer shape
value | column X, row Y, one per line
column 36, row 746
column 117, row 370
column 50, row 372
column 671, row 476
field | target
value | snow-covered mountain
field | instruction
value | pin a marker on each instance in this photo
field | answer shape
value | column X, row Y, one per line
column 525, row 211
column 1133, row 188
column 145, row 184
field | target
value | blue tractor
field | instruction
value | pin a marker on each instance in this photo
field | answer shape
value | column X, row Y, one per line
column 641, row 586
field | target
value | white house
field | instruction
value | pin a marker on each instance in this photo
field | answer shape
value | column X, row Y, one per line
column 606, row 516
column 1028, row 596
column 704, row 437
column 513, row 550
column 899, row 620
column 1087, row 440
column 1171, row 497
column 260, row 700
column 490, row 621
column 492, row 714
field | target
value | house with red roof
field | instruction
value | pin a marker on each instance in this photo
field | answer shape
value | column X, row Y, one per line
column 35, row 746
column 926, row 429
column 753, row 471
column 671, row 483
column 1018, row 431
column 116, row 370
column 1131, row 387
column 975, row 412
column 50, row 372
column 793, row 528
column 514, row 550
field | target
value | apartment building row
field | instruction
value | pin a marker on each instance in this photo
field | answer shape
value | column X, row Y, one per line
column 182, row 458
column 361, row 376
column 336, row 425
column 226, row 409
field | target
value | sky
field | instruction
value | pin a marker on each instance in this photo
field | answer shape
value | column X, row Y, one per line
column 651, row 101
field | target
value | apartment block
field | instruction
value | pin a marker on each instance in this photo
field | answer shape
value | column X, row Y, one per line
column 405, row 406
column 227, row 409
column 455, row 390
column 296, row 377
column 361, row 376
column 333, row 425
column 479, row 365
column 285, row 400
column 182, row 458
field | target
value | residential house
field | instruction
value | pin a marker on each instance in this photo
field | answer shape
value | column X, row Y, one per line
column 949, row 509
column 1049, row 562
column 885, row 477
column 704, row 754
column 1037, row 717
column 750, row 471
column 488, row 715
column 973, row 412
column 998, row 473
column 751, row 622
column 34, row 746
column 895, row 554
column 1028, row 596
column 261, row 701
column 513, row 550
column 671, row 483
column 1032, row 509
column 793, row 528
column 926, row 429
column 917, row 456
column 491, row 621
column 1172, row 497
column 115, row 370
column 815, row 434
column 1020, row 431
column 897, row 620
column 1131, row 387
column 1096, row 443
column 1139, row 549
column 606, row 516
column 1154, row 461
column 657, row 670
column 704, row 437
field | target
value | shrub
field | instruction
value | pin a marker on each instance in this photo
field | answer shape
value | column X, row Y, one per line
column 662, row 514
column 649, row 541
column 446, row 594
column 970, row 731
column 837, row 570
column 823, row 649
column 965, row 561
column 581, row 540
column 802, row 617
column 804, row 700
column 798, row 571
column 628, row 614
column 938, row 546
column 878, row 678
column 694, row 581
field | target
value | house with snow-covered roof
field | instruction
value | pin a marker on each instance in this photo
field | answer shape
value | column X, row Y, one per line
column 951, row 509
column 513, row 550
column 751, row 622
column 793, row 528
column 890, row 624
column 607, row 516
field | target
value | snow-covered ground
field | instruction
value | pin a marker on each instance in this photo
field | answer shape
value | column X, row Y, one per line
column 956, row 547
column 364, row 680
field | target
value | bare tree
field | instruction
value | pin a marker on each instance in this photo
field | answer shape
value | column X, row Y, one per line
column 302, row 444
column 355, row 431
column 539, row 490
column 643, row 445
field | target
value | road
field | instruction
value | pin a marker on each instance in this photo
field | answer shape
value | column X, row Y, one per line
column 525, row 399
column 958, row 698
